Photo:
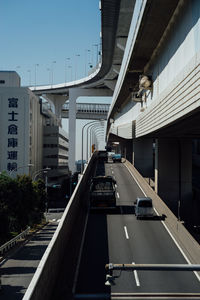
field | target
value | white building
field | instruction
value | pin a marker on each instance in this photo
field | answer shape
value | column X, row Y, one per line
column 21, row 134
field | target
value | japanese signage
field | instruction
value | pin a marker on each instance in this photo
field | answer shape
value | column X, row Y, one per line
column 12, row 152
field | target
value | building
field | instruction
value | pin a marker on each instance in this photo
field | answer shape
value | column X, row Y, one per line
column 21, row 137
column 31, row 137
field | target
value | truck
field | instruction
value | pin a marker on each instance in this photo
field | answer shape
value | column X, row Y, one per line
column 102, row 192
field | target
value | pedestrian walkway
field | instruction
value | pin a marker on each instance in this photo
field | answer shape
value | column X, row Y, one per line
column 18, row 269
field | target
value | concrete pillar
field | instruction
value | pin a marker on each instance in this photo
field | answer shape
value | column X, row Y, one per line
column 58, row 101
column 173, row 174
column 143, row 156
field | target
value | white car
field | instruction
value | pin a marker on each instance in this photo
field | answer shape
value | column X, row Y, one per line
column 144, row 207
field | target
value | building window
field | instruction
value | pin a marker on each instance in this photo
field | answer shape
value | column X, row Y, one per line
column 2, row 81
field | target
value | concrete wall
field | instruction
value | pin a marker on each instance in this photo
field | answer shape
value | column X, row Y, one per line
column 173, row 175
column 63, row 250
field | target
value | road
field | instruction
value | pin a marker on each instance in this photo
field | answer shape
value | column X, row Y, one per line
column 18, row 269
column 118, row 237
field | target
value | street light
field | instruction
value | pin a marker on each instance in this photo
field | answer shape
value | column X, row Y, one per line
column 77, row 55
column 86, row 58
column 29, row 71
column 28, row 165
column 96, row 45
column 90, row 127
column 66, row 65
column 82, row 141
column 36, row 173
column 36, row 65
column 70, row 67
column 53, row 62
column 34, row 176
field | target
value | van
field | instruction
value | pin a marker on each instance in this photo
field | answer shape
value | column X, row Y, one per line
column 143, row 207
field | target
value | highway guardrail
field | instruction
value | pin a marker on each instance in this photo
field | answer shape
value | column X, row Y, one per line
column 5, row 247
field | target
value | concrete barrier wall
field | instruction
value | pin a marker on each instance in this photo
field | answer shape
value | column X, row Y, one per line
column 63, row 250
column 184, row 239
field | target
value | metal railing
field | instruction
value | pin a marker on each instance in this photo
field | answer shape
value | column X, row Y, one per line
column 97, row 108
column 5, row 247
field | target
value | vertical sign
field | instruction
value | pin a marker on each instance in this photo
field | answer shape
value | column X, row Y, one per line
column 12, row 145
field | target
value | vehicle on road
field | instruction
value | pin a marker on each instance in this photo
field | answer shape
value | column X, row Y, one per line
column 102, row 192
column 117, row 158
column 144, row 207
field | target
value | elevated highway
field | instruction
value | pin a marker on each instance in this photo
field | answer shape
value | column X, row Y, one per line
column 73, row 266
column 154, row 122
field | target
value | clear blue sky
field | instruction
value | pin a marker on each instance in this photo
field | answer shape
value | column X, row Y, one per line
column 47, row 31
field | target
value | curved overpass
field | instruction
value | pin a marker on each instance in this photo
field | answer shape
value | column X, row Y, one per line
column 115, row 21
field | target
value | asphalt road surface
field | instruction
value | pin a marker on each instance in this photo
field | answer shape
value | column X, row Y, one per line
column 18, row 269
column 118, row 237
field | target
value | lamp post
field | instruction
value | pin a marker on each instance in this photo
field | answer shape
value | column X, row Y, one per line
column 82, row 141
column 90, row 126
column 29, row 71
column 70, row 67
column 53, row 62
column 34, row 176
column 96, row 45
column 49, row 70
column 86, row 59
column 76, row 57
column 66, row 65
column 97, row 133
column 28, row 165
column 36, row 65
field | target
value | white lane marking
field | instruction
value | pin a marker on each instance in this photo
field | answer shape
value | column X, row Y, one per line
column 117, row 195
column 173, row 238
column 126, row 232
column 180, row 249
column 112, row 172
column 116, row 185
column 136, row 276
column 137, row 182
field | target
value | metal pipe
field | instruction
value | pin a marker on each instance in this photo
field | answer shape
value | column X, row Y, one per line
column 153, row 267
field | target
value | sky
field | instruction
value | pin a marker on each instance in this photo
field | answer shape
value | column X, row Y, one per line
column 50, row 42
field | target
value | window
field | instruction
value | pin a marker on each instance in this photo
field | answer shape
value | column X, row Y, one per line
column 2, row 81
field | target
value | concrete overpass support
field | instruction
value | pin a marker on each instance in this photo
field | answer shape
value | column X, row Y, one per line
column 143, row 156
column 173, row 175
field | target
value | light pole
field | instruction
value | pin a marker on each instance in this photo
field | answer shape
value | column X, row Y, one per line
column 29, row 71
column 49, row 70
column 53, row 62
column 70, row 67
column 76, row 57
column 82, row 142
column 96, row 45
column 66, row 65
column 34, row 176
column 100, row 129
column 28, row 165
column 86, row 59
column 90, row 126
column 36, row 65
column 36, row 173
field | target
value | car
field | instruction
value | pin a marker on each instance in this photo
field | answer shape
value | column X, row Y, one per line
column 144, row 207
column 117, row 158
